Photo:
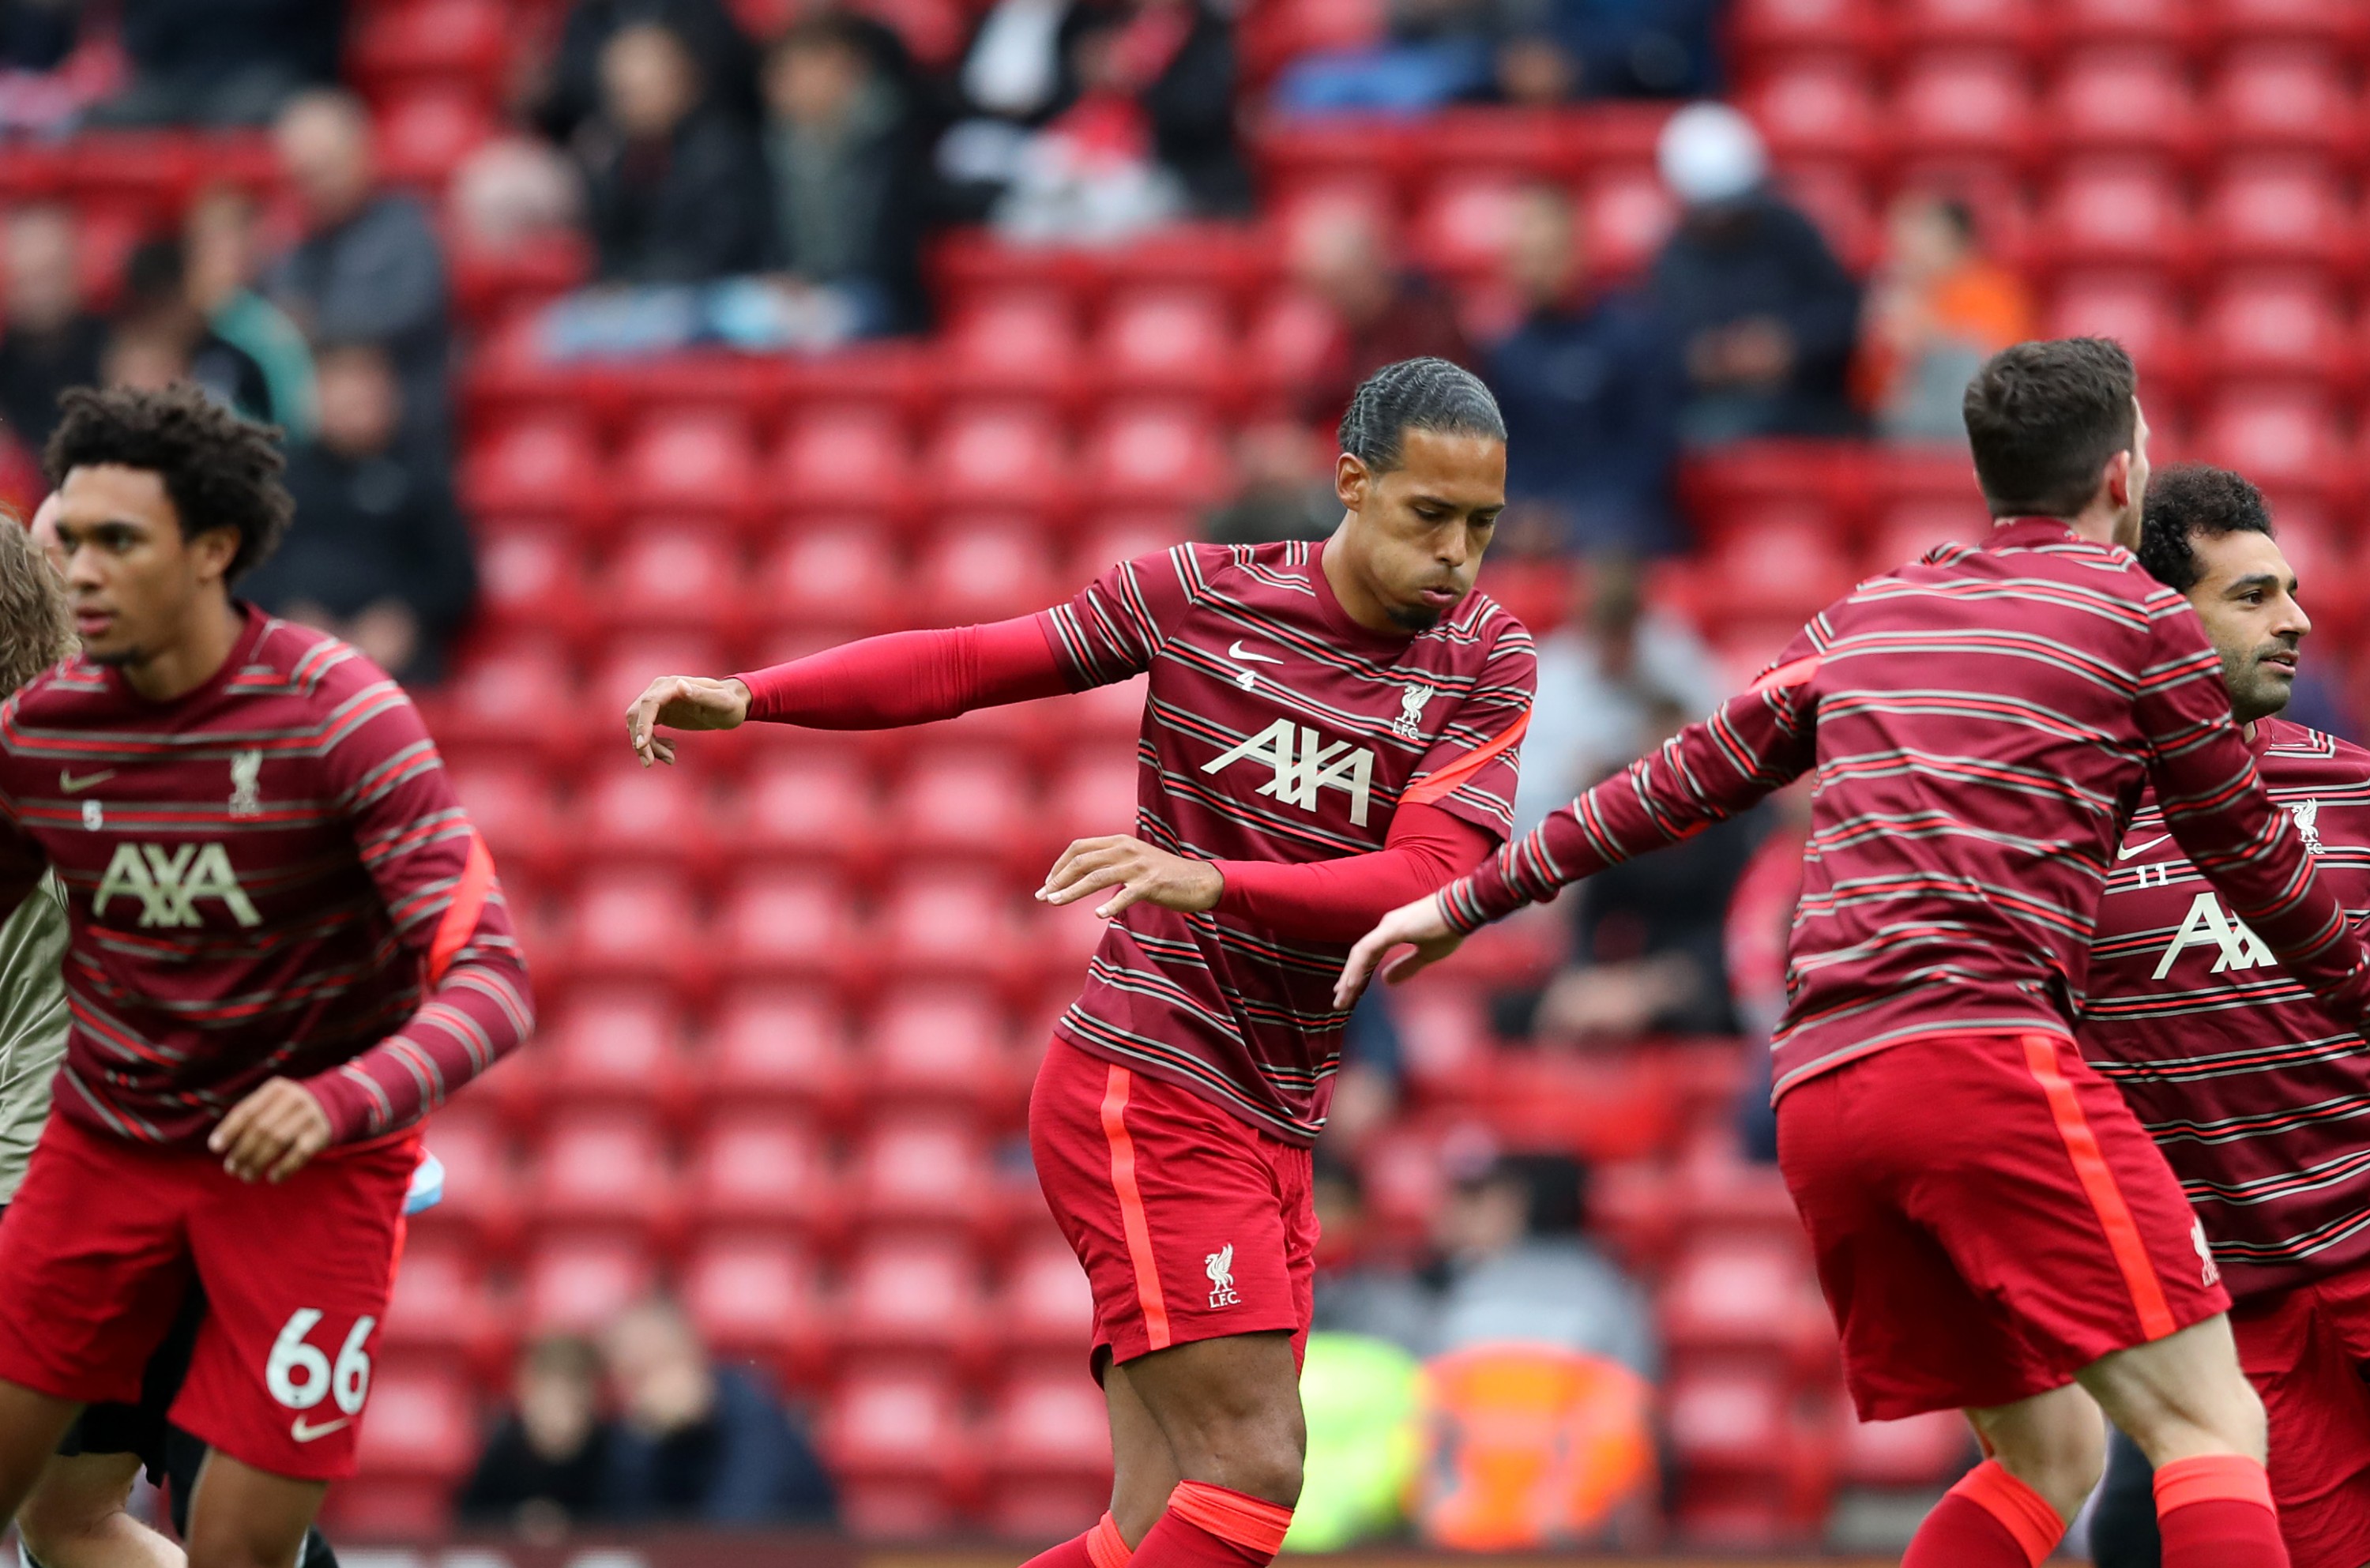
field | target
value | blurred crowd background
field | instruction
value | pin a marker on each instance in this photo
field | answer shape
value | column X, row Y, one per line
column 618, row 337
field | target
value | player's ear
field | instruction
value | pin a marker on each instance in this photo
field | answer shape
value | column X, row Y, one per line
column 1349, row 481
column 2119, row 479
column 214, row 551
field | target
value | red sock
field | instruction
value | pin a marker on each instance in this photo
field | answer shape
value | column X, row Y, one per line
column 1102, row 1546
column 2216, row 1511
column 1211, row 1526
column 1989, row 1520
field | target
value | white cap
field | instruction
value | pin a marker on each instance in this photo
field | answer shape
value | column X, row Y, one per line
column 1710, row 153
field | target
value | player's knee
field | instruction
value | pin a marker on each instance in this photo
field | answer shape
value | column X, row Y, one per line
column 2061, row 1460
column 55, row 1519
column 1261, row 1459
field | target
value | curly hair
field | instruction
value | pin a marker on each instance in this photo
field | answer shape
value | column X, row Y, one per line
column 1416, row 394
column 36, row 625
column 221, row 471
column 2188, row 501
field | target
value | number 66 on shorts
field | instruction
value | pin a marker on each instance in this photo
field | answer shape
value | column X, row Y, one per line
column 299, row 1375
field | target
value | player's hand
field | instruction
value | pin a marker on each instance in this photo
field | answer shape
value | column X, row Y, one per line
column 683, row 702
column 1141, row 875
column 1421, row 923
column 273, row 1132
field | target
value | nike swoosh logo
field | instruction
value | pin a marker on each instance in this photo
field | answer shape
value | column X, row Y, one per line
column 2128, row 850
column 73, row 786
column 1242, row 655
column 304, row 1433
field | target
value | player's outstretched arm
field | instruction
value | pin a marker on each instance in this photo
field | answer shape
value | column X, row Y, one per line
column 1421, row 924
column 683, row 702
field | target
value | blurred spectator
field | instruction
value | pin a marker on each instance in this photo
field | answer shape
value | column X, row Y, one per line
column 378, row 554
column 548, row 1465
column 1603, row 675
column 162, row 337
column 50, row 74
column 704, row 1444
column 1360, row 1288
column 1285, row 488
column 1653, row 49
column 1522, row 1271
column 512, row 192
column 369, row 268
column 1591, row 387
column 1764, row 312
column 847, row 176
column 677, row 190
column 219, row 251
column 724, row 56
column 51, row 342
column 1093, row 119
column 221, row 62
column 1535, row 52
column 1937, row 309
column 1380, row 312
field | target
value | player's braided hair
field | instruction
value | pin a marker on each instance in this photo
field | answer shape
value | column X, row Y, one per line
column 1416, row 394
column 36, row 624
column 221, row 471
column 2188, row 500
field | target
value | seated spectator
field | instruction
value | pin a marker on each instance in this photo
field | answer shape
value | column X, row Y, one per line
column 704, row 1444
column 515, row 192
column 1381, row 314
column 1522, row 1271
column 219, row 249
column 1284, row 488
column 1765, row 313
column 721, row 50
column 378, row 553
column 162, row 337
column 548, row 1465
column 1937, row 309
column 1535, row 52
column 847, row 179
column 1602, row 677
column 676, row 191
column 221, row 62
column 50, row 341
column 1591, row 388
column 1621, row 49
column 369, row 268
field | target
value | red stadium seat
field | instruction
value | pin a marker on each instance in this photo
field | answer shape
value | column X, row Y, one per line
column 1745, row 1296
column 1021, row 341
column 511, row 804
column 1277, row 33
column 985, row 568
column 756, row 1168
column 1289, row 336
column 424, row 136
column 1962, row 103
column 2280, row 209
column 810, row 807
column 696, row 463
column 1048, row 1452
column 1096, row 796
column 896, row 1443
column 941, row 1043
column 1906, row 530
column 1729, row 1419
column 1821, row 108
column 2139, row 309
column 2338, row 26
column 579, row 1283
column 2007, row 25
column 480, row 1175
column 2283, row 97
column 966, row 805
column 2122, row 100
column 636, row 923
column 922, row 1169
column 1465, row 224
column 423, row 1424
column 751, row 1296
column 427, row 39
column 1761, row 28
column 1046, row 1305
column 545, row 466
column 2282, row 438
column 531, row 575
column 842, row 577
column 990, row 456
column 673, row 577
column 1843, row 206
column 776, row 1047
column 789, row 925
column 611, row 1047
column 438, row 1307
column 1166, row 340
column 2158, row 22
column 652, row 816
column 2279, row 326
column 2125, row 211
column 1627, row 214
column 1159, row 454
column 856, row 458
column 604, row 1169
column 1782, row 566
column 1924, row 1451
column 912, row 1297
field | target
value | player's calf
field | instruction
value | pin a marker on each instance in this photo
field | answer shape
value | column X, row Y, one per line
column 31, row 1425
column 245, row 1517
column 78, row 1517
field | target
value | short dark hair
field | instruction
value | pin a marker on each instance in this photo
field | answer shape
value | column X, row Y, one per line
column 222, row 471
column 2044, row 417
column 155, row 272
column 827, row 29
column 2187, row 502
column 1416, row 394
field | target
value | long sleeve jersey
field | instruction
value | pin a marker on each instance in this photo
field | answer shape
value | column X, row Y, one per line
column 2258, row 1095
column 1982, row 724
column 267, row 877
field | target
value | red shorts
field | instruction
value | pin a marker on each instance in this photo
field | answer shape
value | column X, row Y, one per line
column 105, row 1237
column 2306, row 1351
column 1191, row 1225
column 1989, row 1218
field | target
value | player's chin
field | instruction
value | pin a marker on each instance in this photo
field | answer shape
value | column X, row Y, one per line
column 1416, row 614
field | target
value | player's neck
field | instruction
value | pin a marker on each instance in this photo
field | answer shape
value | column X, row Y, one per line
column 1357, row 601
column 192, row 659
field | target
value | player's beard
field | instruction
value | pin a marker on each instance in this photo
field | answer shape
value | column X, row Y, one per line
column 2254, row 692
column 1414, row 619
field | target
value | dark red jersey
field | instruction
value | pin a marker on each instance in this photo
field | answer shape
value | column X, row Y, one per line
column 2259, row 1097
column 1277, row 729
column 267, row 877
column 1982, row 724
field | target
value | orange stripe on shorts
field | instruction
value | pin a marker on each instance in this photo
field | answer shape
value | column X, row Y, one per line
column 2098, row 1184
column 1131, row 1209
